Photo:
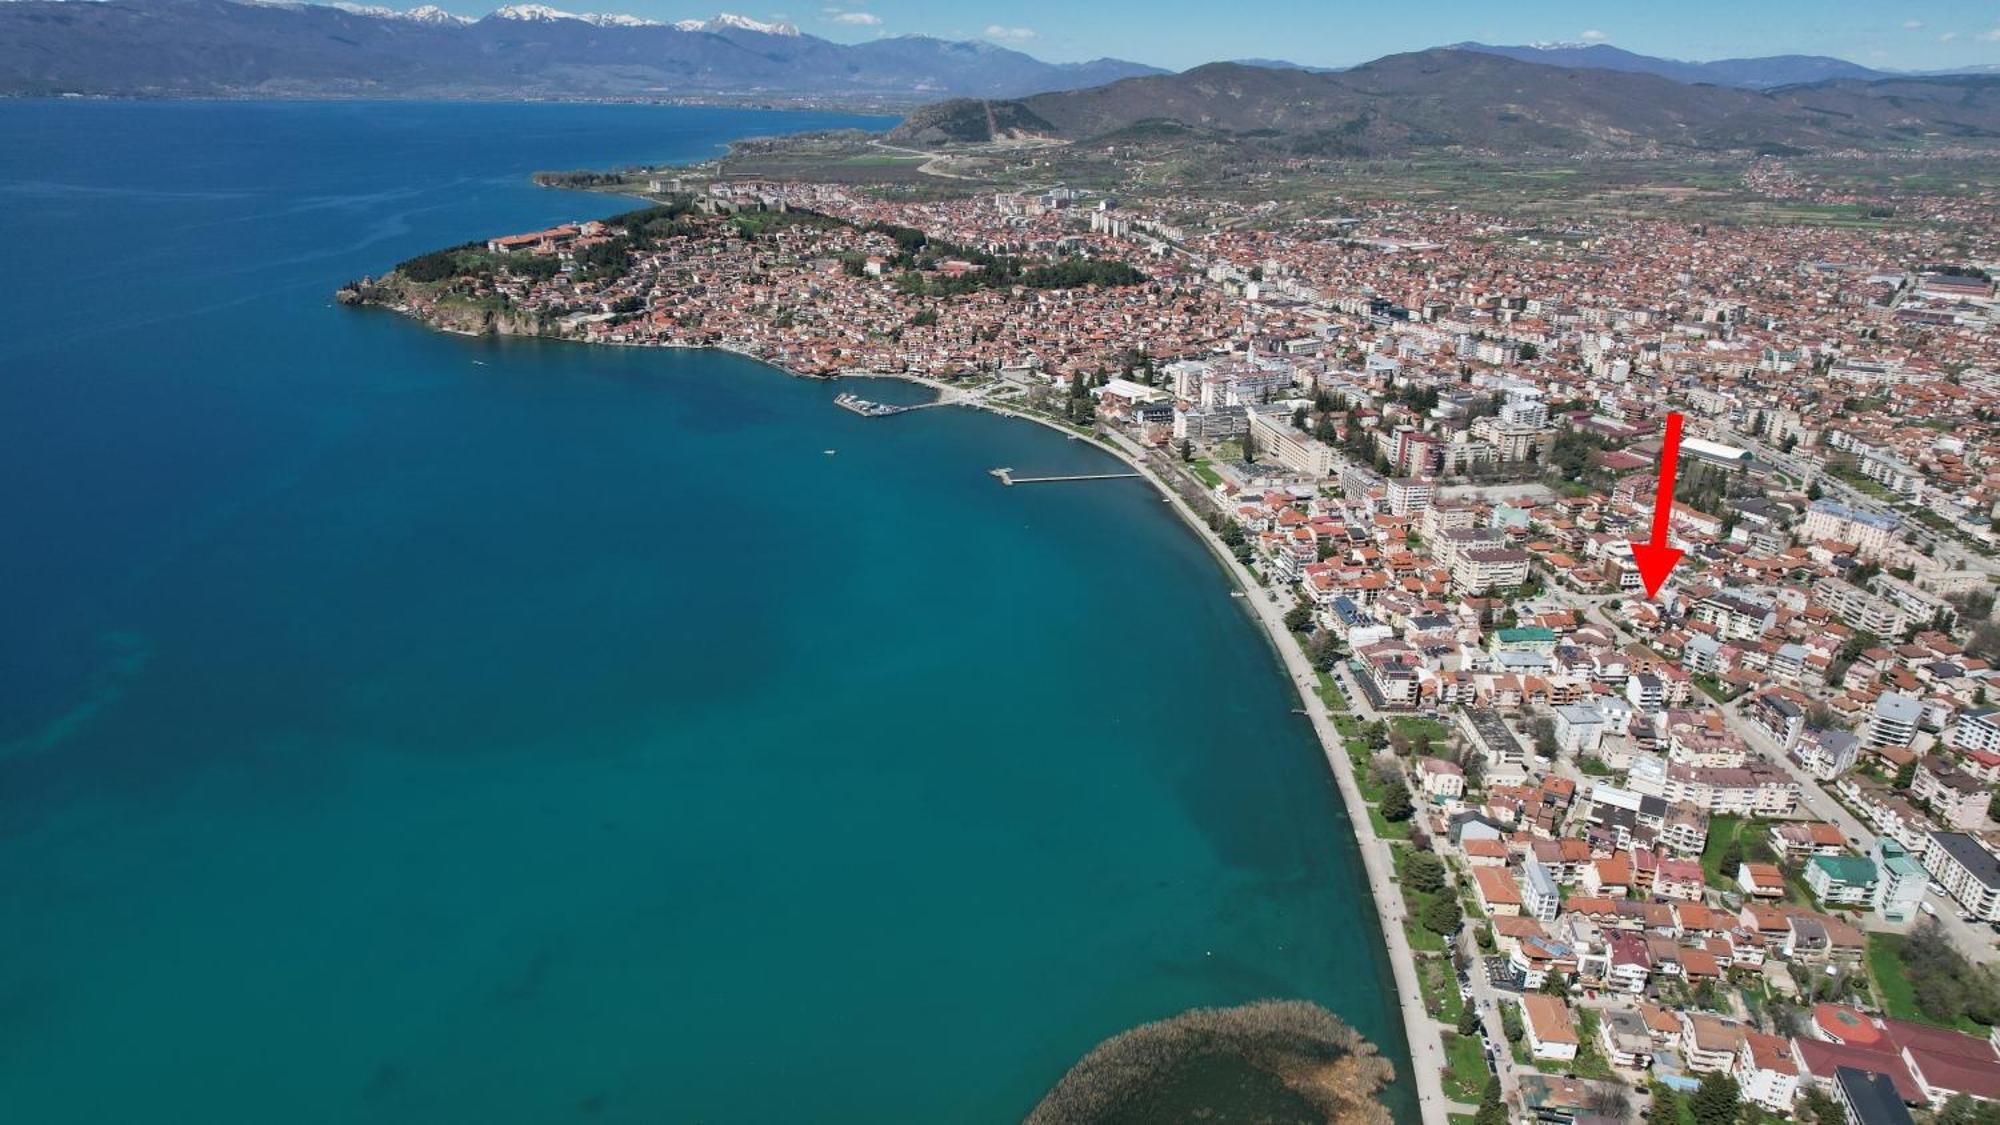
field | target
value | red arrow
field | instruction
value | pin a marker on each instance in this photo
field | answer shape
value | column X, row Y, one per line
column 1656, row 560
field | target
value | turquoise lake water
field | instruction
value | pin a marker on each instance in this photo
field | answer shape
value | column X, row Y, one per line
column 396, row 727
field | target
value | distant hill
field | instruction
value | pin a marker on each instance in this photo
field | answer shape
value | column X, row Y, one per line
column 1751, row 73
column 196, row 48
column 1458, row 99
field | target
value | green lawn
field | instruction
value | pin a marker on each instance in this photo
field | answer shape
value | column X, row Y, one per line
column 1713, row 689
column 1329, row 694
column 1465, row 1069
column 1892, row 985
column 1206, row 475
column 1440, row 986
column 1387, row 829
column 1409, row 726
column 1721, row 831
column 1422, row 940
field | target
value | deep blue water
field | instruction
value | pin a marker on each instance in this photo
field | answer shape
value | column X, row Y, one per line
column 402, row 728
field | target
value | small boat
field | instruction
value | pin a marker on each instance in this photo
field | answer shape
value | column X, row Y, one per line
column 830, row 452
column 480, row 362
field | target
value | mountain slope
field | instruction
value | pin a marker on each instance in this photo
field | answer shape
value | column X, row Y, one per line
column 1752, row 73
column 1452, row 99
column 183, row 48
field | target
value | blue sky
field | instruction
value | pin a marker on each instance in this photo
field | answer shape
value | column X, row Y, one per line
column 1181, row 33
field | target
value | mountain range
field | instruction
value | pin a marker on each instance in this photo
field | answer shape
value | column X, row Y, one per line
column 208, row 48
column 1761, row 73
column 1446, row 99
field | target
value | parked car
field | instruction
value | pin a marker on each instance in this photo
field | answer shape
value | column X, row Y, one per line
column 1928, row 909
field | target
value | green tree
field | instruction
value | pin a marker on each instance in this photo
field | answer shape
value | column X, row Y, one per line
column 1492, row 1109
column 1906, row 774
column 1819, row 1107
column 1424, row 873
column 1299, row 617
column 1396, row 803
column 1543, row 728
column 1510, row 1021
column 1666, row 1107
column 1468, row 1020
column 1441, row 915
column 1717, row 1102
column 1961, row 1109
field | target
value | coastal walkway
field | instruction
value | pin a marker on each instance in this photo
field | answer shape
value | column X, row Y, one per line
column 1007, row 477
column 1427, row 1058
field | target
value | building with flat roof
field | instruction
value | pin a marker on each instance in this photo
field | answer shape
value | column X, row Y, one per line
column 1715, row 453
column 1899, row 881
column 1539, row 896
column 1841, row 880
column 1967, row 872
column 1894, row 724
column 1869, row 1098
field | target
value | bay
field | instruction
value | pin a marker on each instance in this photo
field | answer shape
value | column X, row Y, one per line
column 401, row 727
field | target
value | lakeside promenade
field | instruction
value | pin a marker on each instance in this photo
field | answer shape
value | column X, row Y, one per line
column 1427, row 1057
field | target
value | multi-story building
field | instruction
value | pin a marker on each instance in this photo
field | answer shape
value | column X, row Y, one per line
column 1767, row 1072
column 1894, row 724
column 1551, row 1029
column 1860, row 608
column 1488, row 733
column 1899, row 881
column 1870, row 534
column 1301, row 453
column 1955, row 797
column 1735, row 615
column 1782, row 719
column 1967, row 871
column 1494, row 568
column 1709, row 1044
column 1841, row 880
column 1978, row 731
column 1539, row 897
column 1826, row 754
column 1410, row 495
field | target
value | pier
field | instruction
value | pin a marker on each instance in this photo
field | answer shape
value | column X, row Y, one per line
column 868, row 409
column 1007, row 477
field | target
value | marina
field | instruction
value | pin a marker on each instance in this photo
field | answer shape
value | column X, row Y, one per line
column 870, row 409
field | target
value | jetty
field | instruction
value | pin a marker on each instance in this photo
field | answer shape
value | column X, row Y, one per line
column 868, row 409
column 1007, row 477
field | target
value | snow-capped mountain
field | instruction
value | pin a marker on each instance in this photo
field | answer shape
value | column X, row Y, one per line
column 729, row 21
column 427, row 13
column 431, row 13
column 294, row 48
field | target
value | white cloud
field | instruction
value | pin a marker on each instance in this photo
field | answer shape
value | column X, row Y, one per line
column 1011, row 34
column 1912, row 25
column 1992, row 36
column 1593, row 36
column 1948, row 37
column 857, row 19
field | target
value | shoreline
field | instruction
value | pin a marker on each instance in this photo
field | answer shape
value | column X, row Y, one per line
column 1420, row 1032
